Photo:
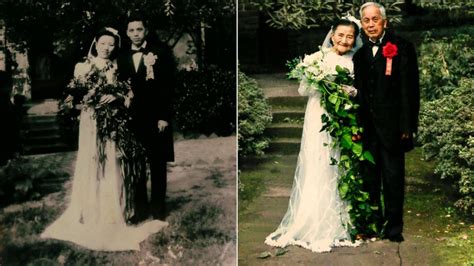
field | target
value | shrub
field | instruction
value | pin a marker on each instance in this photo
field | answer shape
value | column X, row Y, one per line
column 442, row 63
column 447, row 133
column 254, row 116
column 205, row 102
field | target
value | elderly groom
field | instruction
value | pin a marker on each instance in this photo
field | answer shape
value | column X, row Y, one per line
column 386, row 77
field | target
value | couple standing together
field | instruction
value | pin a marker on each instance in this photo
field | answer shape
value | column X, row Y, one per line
column 387, row 91
column 105, row 212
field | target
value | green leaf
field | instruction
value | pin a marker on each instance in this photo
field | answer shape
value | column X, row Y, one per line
column 373, row 227
column 332, row 98
column 340, row 69
column 357, row 149
column 338, row 103
column 281, row 251
column 346, row 141
column 368, row 156
column 344, row 158
column 343, row 188
column 264, row 255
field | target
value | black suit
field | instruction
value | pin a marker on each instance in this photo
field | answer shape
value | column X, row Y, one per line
column 389, row 106
column 152, row 102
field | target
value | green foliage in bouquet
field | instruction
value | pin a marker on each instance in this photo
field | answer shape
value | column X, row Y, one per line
column 254, row 116
column 447, row 133
column 341, row 123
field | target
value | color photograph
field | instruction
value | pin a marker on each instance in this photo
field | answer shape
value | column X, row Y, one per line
column 355, row 133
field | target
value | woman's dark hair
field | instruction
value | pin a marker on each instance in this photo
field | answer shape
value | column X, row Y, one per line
column 105, row 32
column 345, row 22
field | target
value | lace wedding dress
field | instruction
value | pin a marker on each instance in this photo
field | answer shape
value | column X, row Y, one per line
column 94, row 218
column 316, row 215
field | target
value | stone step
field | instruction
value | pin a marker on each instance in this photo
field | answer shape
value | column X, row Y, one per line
column 47, row 148
column 42, row 131
column 40, row 119
column 43, row 139
column 284, row 130
column 287, row 101
column 284, row 146
column 287, row 116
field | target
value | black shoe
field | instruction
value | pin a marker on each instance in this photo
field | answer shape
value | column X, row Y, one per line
column 136, row 219
column 396, row 238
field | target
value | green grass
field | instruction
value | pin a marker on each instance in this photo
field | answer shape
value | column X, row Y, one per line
column 256, row 171
column 430, row 213
column 429, row 216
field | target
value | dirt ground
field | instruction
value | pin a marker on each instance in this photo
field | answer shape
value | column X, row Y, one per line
column 202, row 215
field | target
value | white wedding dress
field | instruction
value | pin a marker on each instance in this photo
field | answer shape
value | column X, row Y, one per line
column 316, row 216
column 94, row 218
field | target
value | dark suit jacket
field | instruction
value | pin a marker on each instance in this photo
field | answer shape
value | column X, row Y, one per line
column 389, row 104
column 153, row 99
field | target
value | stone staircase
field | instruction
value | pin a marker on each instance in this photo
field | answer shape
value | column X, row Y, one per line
column 40, row 131
column 288, row 112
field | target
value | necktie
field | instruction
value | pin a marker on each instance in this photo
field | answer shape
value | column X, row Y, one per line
column 372, row 44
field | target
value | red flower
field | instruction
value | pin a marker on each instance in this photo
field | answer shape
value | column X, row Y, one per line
column 390, row 50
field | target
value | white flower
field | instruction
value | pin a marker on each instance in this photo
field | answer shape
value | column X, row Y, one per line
column 313, row 58
column 111, row 76
column 149, row 59
column 313, row 70
column 82, row 69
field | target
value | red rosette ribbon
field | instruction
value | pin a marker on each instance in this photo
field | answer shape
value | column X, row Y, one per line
column 389, row 51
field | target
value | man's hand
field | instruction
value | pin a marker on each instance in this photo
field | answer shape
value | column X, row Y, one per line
column 350, row 90
column 106, row 99
column 162, row 124
column 406, row 136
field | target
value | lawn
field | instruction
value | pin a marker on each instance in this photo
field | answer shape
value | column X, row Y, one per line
column 200, row 198
column 430, row 221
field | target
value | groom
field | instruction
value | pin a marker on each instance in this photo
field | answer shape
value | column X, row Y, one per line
column 386, row 76
column 150, row 67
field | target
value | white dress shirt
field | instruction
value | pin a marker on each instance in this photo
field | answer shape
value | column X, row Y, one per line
column 375, row 48
column 137, row 56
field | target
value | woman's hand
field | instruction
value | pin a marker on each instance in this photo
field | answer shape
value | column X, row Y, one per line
column 105, row 99
column 350, row 90
column 69, row 99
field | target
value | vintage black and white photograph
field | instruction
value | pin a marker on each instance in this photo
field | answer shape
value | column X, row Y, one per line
column 355, row 132
column 118, row 140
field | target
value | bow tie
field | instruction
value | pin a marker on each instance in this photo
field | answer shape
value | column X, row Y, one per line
column 140, row 50
column 372, row 44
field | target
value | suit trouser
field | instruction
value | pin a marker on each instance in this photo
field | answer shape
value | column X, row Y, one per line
column 158, row 173
column 387, row 176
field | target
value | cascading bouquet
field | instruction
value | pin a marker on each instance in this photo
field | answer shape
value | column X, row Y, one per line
column 341, row 123
column 112, row 120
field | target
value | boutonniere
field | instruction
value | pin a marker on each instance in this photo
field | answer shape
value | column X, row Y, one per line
column 149, row 60
column 389, row 51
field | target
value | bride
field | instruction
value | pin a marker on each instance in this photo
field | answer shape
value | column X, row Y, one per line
column 316, row 215
column 99, row 204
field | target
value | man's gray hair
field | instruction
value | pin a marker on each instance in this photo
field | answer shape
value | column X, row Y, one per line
column 379, row 6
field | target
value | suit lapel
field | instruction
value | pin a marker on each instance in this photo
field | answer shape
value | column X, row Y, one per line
column 130, row 64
